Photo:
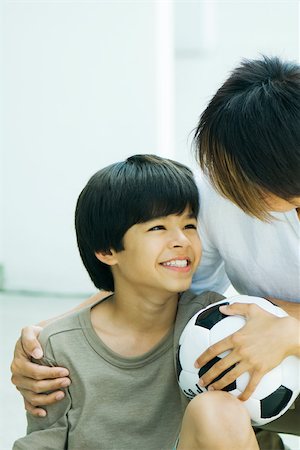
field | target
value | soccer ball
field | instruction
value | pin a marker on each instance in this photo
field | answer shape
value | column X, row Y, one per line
column 277, row 389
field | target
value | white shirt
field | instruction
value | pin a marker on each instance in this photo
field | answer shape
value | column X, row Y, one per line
column 258, row 258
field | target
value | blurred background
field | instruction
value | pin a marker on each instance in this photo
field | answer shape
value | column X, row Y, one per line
column 84, row 84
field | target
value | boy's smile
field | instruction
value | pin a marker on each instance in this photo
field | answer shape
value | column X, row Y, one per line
column 178, row 264
column 161, row 254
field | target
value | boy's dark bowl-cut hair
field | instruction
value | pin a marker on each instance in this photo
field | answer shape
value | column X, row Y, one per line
column 141, row 188
column 248, row 137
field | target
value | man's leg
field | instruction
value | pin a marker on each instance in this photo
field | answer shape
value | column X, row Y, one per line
column 267, row 436
column 268, row 440
column 288, row 423
column 216, row 421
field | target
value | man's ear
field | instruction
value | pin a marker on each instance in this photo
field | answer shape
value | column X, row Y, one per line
column 109, row 257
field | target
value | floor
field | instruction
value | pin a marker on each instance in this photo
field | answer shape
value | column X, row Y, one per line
column 17, row 311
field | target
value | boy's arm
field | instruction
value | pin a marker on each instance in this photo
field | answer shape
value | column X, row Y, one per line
column 49, row 432
column 33, row 380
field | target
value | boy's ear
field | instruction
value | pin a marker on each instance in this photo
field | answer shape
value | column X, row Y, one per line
column 109, row 257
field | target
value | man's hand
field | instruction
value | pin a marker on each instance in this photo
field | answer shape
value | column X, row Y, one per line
column 33, row 380
column 259, row 346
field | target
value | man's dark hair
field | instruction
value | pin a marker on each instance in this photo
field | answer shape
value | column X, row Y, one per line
column 248, row 138
column 141, row 188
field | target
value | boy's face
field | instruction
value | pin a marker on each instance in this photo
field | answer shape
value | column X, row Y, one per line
column 161, row 254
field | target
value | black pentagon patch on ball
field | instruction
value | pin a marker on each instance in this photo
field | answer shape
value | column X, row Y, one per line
column 178, row 365
column 275, row 402
column 208, row 318
column 207, row 366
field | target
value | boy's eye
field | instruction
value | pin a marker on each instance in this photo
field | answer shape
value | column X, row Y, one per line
column 157, row 227
column 191, row 226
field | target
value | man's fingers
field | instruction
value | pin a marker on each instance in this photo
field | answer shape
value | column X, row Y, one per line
column 223, row 372
column 30, row 343
column 22, row 369
column 36, row 400
column 250, row 388
column 236, row 308
column 33, row 402
column 37, row 412
column 214, row 350
column 41, row 386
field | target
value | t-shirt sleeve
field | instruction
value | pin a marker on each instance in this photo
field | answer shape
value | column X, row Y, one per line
column 210, row 275
column 51, row 431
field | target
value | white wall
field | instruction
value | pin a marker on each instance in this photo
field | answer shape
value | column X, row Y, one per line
column 1, row 141
column 79, row 94
column 85, row 84
column 211, row 38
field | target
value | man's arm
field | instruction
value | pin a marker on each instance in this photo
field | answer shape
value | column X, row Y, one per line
column 33, row 380
column 29, row 334
column 291, row 308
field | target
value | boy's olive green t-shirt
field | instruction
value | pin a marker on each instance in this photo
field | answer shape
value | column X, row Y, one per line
column 113, row 403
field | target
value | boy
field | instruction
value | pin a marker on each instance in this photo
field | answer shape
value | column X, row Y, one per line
column 136, row 226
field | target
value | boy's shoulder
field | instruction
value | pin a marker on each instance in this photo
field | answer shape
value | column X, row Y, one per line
column 69, row 322
column 189, row 304
column 62, row 324
column 191, row 300
column 60, row 328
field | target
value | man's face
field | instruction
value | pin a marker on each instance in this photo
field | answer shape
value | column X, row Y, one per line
column 160, row 255
column 280, row 205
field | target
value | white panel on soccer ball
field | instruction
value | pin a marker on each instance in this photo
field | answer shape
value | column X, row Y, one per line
column 195, row 343
column 224, row 328
column 200, row 337
column 242, row 381
column 253, row 407
column 290, row 369
column 189, row 383
column 268, row 384
column 223, row 354
column 261, row 302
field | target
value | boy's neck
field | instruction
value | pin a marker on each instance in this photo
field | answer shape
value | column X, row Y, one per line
column 144, row 312
column 132, row 324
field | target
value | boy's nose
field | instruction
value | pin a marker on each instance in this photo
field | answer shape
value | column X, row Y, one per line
column 179, row 239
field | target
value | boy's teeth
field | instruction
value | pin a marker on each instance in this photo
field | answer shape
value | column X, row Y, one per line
column 176, row 263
